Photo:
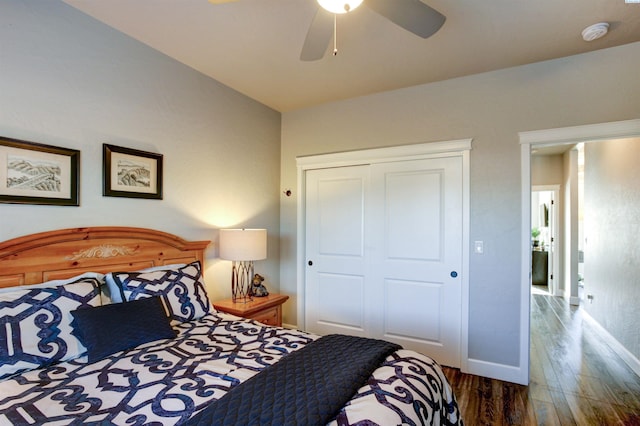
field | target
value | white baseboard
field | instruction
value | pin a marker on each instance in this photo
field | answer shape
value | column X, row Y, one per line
column 575, row 301
column 618, row 348
column 290, row 326
column 507, row 373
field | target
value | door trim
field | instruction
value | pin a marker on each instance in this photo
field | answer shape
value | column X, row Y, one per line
column 382, row 155
column 458, row 148
column 559, row 136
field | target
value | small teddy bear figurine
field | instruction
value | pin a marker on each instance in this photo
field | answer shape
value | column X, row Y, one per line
column 258, row 289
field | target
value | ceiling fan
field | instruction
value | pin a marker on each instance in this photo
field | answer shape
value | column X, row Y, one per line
column 412, row 15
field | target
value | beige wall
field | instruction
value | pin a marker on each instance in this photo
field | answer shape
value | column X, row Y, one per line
column 69, row 81
column 569, row 284
column 491, row 108
column 612, row 229
column 546, row 170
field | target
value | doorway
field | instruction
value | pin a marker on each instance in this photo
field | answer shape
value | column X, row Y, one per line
column 545, row 238
column 544, row 138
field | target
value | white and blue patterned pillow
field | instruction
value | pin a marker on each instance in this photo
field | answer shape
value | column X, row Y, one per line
column 35, row 324
column 114, row 288
column 181, row 289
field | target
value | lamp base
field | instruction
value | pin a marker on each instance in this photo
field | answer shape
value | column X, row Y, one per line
column 241, row 276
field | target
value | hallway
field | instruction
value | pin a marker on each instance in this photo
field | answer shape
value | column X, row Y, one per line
column 576, row 379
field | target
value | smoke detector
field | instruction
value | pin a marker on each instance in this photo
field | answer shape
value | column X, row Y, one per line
column 595, row 31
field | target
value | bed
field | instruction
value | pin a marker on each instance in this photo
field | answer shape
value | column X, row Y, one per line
column 113, row 326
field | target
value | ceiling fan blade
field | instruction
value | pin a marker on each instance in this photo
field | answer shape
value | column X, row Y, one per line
column 318, row 36
column 412, row 15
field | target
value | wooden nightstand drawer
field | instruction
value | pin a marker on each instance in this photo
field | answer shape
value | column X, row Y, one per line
column 267, row 310
column 269, row 316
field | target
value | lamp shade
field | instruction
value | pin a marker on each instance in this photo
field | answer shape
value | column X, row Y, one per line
column 243, row 244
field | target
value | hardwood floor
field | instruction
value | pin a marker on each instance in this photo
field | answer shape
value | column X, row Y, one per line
column 576, row 378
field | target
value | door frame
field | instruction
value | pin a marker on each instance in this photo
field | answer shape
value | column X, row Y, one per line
column 558, row 136
column 459, row 147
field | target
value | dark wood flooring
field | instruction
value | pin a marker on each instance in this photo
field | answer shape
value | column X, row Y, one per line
column 576, row 378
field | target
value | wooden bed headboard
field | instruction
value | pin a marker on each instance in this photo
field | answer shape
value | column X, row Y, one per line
column 64, row 253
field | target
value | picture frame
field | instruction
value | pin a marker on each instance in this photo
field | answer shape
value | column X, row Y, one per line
column 131, row 173
column 35, row 173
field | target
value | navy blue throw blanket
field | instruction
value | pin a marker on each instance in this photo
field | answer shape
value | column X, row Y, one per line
column 306, row 387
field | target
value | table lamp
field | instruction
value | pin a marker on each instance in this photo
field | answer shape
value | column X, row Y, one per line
column 242, row 247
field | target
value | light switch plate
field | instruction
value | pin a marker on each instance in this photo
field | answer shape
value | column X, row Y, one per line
column 478, row 247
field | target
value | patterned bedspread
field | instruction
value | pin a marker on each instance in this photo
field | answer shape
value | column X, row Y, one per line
column 168, row 381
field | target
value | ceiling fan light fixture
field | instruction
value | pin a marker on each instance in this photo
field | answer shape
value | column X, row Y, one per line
column 339, row 6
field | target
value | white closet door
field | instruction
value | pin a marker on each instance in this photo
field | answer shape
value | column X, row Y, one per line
column 336, row 271
column 416, row 277
column 384, row 253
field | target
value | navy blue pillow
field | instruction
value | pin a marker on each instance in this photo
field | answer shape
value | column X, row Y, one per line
column 108, row 329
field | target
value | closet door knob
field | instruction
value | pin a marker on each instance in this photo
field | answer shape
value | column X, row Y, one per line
column 453, row 274
column 310, row 263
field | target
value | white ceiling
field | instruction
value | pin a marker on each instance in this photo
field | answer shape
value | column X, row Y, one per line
column 253, row 46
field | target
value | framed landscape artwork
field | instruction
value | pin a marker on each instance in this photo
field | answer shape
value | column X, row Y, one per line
column 131, row 173
column 34, row 173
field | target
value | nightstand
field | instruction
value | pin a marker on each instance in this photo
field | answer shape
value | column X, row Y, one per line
column 267, row 309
